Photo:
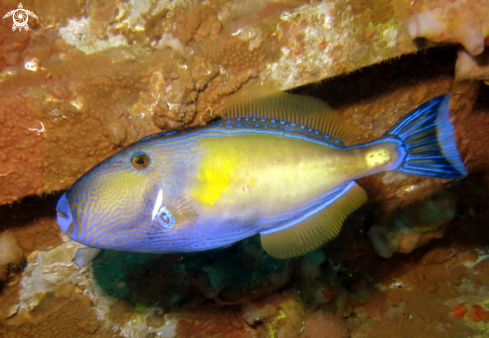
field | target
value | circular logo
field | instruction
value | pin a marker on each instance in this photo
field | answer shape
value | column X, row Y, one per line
column 20, row 17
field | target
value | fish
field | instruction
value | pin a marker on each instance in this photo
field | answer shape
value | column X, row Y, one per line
column 276, row 164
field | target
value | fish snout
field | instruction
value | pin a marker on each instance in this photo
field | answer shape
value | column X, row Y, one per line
column 63, row 213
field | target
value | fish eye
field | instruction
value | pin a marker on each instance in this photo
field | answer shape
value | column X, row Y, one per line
column 140, row 161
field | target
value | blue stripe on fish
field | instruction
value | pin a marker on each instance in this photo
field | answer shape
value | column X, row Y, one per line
column 128, row 238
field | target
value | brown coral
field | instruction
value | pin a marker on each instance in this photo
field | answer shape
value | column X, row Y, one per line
column 21, row 157
column 52, row 135
column 11, row 45
column 32, row 223
column 325, row 324
column 212, row 322
column 197, row 23
column 460, row 21
column 239, row 62
column 412, row 226
column 472, row 68
column 10, row 254
column 63, row 313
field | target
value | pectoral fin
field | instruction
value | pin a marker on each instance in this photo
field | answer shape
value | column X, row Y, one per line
column 317, row 229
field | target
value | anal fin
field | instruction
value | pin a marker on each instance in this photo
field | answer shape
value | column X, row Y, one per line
column 317, row 229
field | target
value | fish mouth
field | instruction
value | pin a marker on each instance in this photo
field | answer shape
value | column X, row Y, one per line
column 63, row 213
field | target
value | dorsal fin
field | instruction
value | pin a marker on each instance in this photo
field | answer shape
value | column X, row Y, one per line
column 270, row 103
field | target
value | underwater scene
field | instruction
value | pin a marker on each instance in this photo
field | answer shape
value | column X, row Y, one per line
column 252, row 168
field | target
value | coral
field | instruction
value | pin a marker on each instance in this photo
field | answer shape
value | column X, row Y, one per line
column 481, row 267
column 56, row 12
column 169, row 41
column 34, row 227
column 387, row 242
column 316, row 276
column 289, row 321
column 460, row 21
column 10, row 252
column 29, row 230
column 281, row 314
column 413, row 226
column 179, row 84
column 198, row 22
column 81, row 121
column 61, row 313
column 92, row 105
column 310, row 264
column 325, row 324
column 77, row 33
column 9, row 298
column 196, row 86
column 315, row 34
column 11, row 255
column 21, row 157
column 410, row 312
column 213, row 322
column 11, row 45
column 376, row 306
column 255, row 312
column 239, row 62
column 472, row 68
column 53, row 272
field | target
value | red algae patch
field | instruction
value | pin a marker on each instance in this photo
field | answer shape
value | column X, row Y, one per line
column 459, row 311
column 478, row 313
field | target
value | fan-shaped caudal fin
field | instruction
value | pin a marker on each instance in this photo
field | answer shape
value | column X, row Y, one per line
column 429, row 139
column 318, row 228
column 267, row 102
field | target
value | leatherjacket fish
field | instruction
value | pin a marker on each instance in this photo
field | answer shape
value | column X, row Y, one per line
column 276, row 165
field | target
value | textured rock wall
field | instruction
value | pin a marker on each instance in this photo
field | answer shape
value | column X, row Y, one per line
column 92, row 77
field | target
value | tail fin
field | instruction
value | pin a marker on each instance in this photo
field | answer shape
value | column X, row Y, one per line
column 429, row 140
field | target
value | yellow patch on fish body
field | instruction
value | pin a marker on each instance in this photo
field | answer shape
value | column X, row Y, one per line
column 213, row 178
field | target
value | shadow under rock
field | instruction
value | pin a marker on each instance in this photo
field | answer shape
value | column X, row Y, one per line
column 227, row 276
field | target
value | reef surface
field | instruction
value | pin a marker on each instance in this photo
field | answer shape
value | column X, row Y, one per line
column 90, row 77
